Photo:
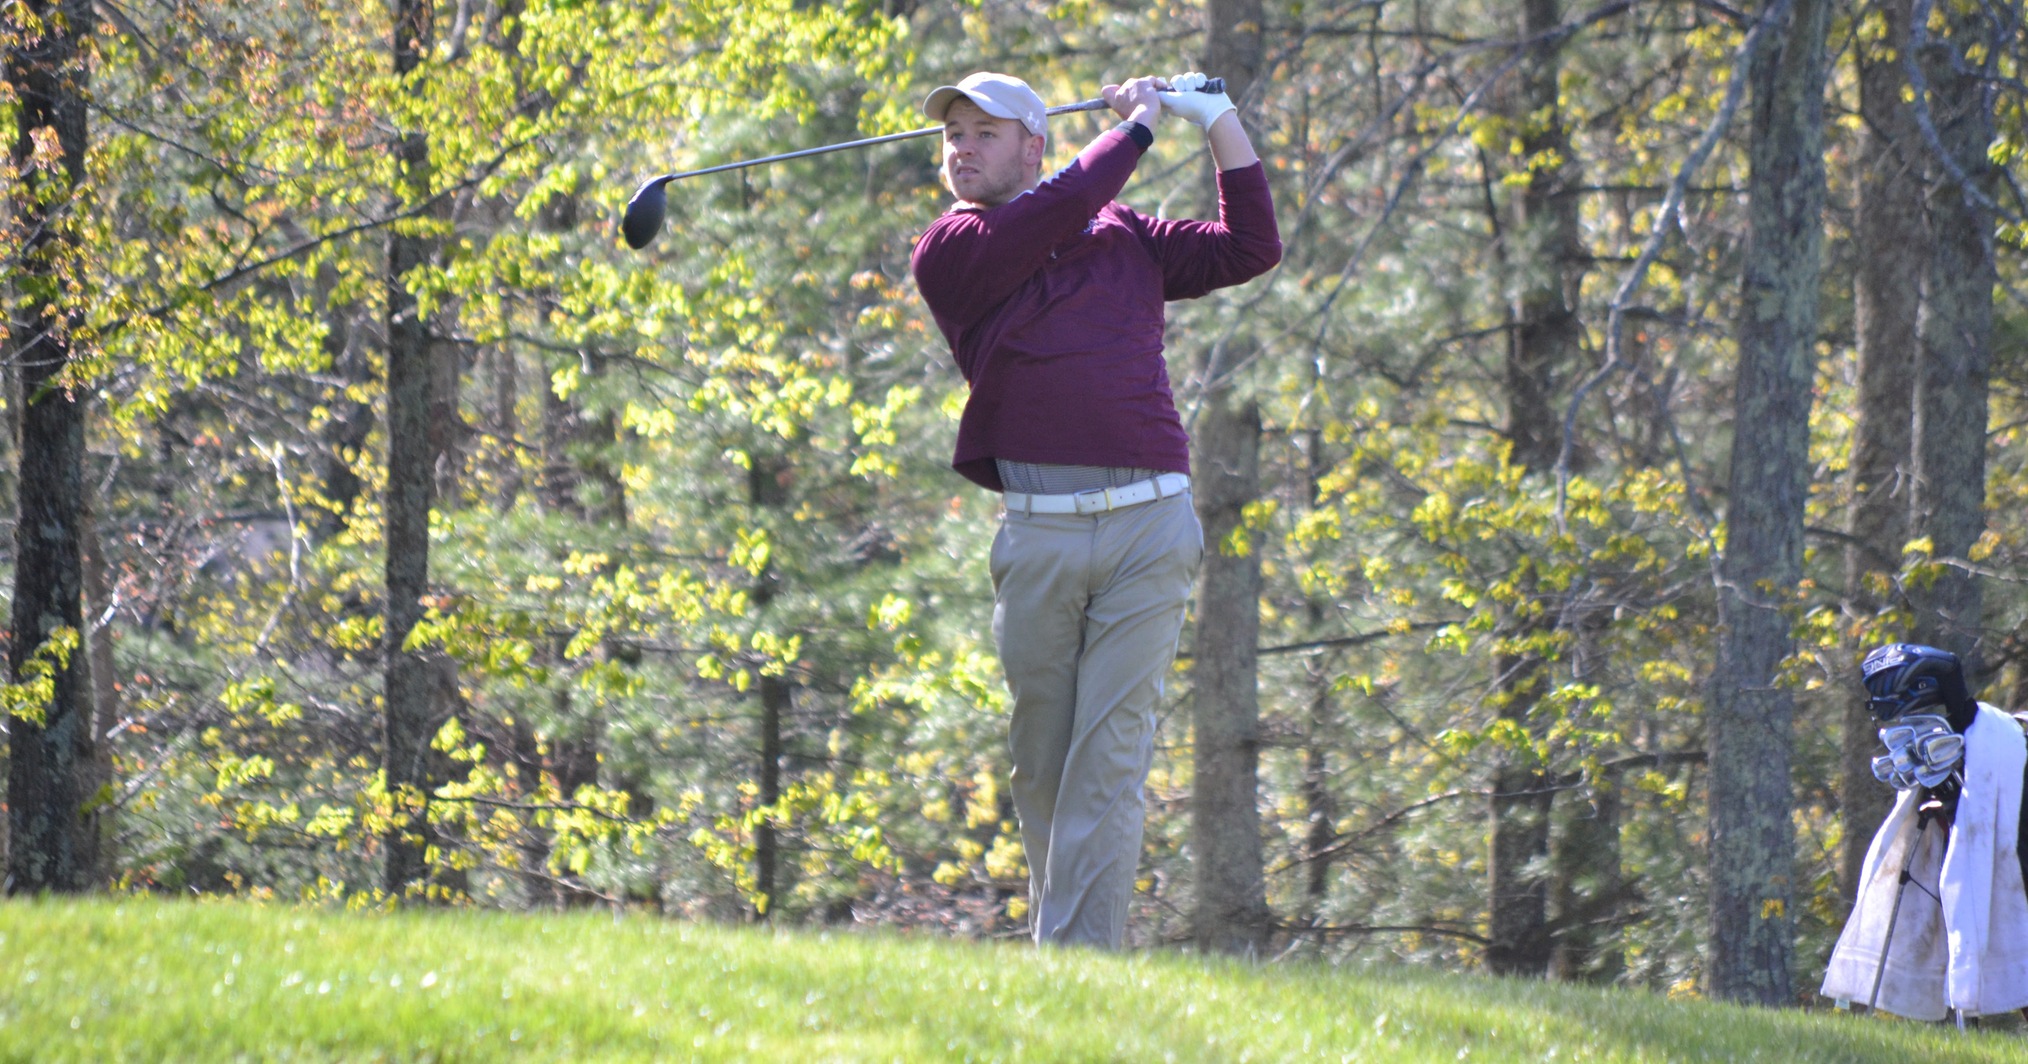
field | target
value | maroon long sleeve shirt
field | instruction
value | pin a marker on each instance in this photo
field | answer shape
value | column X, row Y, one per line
column 1053, row 306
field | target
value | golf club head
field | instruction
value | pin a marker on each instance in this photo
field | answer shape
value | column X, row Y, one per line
column 644, row 214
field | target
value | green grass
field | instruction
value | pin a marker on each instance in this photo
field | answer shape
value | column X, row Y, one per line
column 139, row 979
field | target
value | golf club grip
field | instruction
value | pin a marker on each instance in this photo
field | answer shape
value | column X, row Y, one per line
column 1214, row 85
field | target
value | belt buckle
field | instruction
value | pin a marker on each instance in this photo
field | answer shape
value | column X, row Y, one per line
column 1097, row 500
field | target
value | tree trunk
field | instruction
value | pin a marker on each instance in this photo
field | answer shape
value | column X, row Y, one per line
column 1547, row 256
column 344, row 435
column 448, row 430
column 535, row 841
column 52, row 832
column 1320, row 807
column 101, row 679
column 767, row 489
column 1891, row 247
column 412, row 716
column 1544, row 342
column 1956, row 338
column 1232, row 914
column 777, row 698
column 1588, row 886
column 506, row 428
column 1516, row 866
column 1751, row 713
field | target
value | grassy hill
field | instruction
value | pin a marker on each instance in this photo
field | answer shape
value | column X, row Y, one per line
column 138, row 979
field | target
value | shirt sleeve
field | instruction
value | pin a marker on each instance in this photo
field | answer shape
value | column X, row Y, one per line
column 1197, row 257
column 969, row 261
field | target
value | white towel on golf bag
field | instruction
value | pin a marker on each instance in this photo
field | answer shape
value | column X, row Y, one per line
column 1912, row 982
column 1981, row 920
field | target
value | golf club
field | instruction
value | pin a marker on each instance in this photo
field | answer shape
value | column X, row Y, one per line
column 645, row 211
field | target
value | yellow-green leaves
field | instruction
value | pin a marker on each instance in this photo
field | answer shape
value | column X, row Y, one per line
column 29, row 699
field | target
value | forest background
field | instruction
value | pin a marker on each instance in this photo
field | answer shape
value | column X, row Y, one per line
column 384, row 528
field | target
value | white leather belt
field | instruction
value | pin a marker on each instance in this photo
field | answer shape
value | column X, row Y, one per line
column 1099, row 500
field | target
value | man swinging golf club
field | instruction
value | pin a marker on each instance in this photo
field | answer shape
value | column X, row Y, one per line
column 1051, row 296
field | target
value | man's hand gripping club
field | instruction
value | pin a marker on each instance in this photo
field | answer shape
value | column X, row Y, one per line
column 1185, row 100
column 1137, row 100
column 1146, row 99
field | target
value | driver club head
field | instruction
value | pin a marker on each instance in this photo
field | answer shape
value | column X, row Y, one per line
column 644, row 214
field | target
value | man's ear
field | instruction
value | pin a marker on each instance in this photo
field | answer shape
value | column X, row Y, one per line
column 1033, row 153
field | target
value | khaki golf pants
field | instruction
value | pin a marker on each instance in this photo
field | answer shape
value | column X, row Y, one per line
column 1087, row 610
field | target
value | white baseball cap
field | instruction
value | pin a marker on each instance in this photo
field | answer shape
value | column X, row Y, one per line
column 999, row 95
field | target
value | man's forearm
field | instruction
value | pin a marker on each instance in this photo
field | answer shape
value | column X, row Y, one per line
column 1230, row 148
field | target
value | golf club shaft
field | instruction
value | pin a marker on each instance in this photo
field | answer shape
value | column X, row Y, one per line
column 1083, row 105
column 649, row 206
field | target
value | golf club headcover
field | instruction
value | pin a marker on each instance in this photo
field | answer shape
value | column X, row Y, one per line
column 1187, row 99
column 1905, row 678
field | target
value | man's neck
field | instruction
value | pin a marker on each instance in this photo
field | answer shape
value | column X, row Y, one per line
column 965, row 204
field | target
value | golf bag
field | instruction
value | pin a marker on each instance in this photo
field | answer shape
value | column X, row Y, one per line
column 1940, row 923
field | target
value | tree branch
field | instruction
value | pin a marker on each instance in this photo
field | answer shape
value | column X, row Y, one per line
column 1384, row 929
column 1361, row 639
column 1666, row 218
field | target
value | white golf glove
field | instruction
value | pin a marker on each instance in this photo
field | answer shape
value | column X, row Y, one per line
column 1198, row 108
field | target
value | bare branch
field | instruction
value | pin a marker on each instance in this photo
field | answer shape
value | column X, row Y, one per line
column 1385, row 929
column 1361, row 639
column 1667, row 217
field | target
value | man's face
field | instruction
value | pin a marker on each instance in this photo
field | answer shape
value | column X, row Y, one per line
column 988, row 160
